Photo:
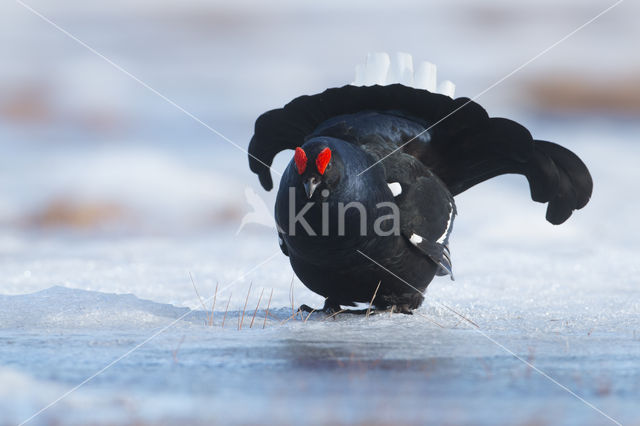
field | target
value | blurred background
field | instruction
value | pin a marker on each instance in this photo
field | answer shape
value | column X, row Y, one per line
column 86, row 148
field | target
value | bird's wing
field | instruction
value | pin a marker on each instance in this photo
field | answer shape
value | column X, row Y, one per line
column 498, row 146
column 427, row 212
column 458, row 141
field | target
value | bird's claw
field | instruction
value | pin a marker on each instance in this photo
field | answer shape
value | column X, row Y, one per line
column 306, row 308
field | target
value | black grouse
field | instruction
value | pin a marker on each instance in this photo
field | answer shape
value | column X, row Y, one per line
column 366, row 205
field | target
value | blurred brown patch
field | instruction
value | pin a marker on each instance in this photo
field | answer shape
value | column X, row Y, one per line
column 572, row 93
column 34, row 103
column 489, row 17
column 100, row 121
column 225, row 215
column 75, row 214
column 26, row 104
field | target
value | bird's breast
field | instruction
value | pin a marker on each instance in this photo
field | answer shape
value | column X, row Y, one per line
column 333, row 229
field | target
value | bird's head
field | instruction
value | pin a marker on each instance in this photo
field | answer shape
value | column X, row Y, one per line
column 318, row 167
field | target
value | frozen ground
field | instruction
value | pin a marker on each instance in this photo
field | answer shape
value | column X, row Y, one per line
column 564, row 299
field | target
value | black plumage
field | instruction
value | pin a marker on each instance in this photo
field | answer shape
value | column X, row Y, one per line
column 410, row 150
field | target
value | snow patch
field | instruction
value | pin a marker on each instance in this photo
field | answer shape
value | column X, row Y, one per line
column 61, row 307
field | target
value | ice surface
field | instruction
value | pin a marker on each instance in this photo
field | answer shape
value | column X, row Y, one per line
column 64, row 308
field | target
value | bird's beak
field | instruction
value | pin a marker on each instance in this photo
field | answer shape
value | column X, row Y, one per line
column 310, row 186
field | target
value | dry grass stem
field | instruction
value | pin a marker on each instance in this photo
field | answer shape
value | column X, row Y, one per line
column 460, row 315
column 257, row 306
column 374, row 296
column 226, row 310
column 241, row 319
column 174, row 353
column 213, row 305
column 287, row 320
column 264, row 324
column 334, row 314
column 291, row 296
column 313, row 310
column 200, row 298
column 428, row 319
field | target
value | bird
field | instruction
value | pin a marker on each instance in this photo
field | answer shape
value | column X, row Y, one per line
column 365, row 207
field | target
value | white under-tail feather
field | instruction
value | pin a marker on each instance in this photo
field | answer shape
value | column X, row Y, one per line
column 380, row 69
column 401, row 70
column 359, row 75
column 447, row 88
column 376, row 69
column 426, row 76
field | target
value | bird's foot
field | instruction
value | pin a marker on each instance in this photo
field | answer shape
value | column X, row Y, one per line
column 401, row 309
column 307, row 308
column 332, row 309
column 402, row 304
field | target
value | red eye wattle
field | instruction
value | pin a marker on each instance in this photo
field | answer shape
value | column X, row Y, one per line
column 300, row 158
column 323, row 160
